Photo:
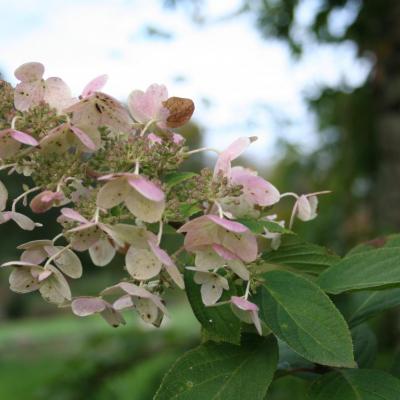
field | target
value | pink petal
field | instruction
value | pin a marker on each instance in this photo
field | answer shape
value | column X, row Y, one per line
column 146, row 188
column 231, row 153
column 243, row 245
column 231, row 226
column 84, row 306
column 28, row 94
column 145, row 106
column 44, row 201
column 198, row 223
column 256, row 321
column 177, row 138
column 44, row 275
column 83, row 137
column 159, row 252
column 224, row 253
column 243, row 304
column 57, row 94
column 23, row 137
column 29, row 72
column 154, row 138
column 255, row 189
column 73, row 215
column 94, row 85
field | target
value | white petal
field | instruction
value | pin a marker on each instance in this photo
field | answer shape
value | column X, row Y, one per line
column 57, row 94
column 28, row 94
column 23, row 221
column 82, row 240
column 129, row 234
column 34, row 256
column 3, row 196
column 142, row 264
column 201, row 277
column 175, row 275
column 84, row 306
column 113, row 317
column 208, row 259
column 123, row 303
column 55, row 289
column 28, row 72
column 239, row 269
column 147, row 310
column 307, row 207
column 142, row 208
column 210, row 292
column 102, row 252
column 22, row 281
column 113, row 193
column 68, row 262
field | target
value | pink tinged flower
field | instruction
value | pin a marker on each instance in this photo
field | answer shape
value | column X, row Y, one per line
column 34, row 251
column 148, row 305
column 33, row 89
column 11, row 140
column 226, row 157
column 90, row 236
column 66, row 260
column 212, row 286
column 154, row 138
column 256, row 190
column 21, row 220
column 307, row 207
column 45, row 200
column 27, row 277
column 142, row 264
column 146, row 263
column 65, row 136
column 211, row 230
column 177, row 138
column 85, row 306
column 274, row 236
column 94, row 86
column 143, row 198
column 3, row 200
column 217, row 256
column 166, row 261
column 246, row 311
column 99, row 110
column 148, row 106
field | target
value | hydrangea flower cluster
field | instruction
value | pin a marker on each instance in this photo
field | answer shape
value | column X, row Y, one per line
column 114, row 172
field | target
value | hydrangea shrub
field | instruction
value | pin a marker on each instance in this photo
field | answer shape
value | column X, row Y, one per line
column 269, row 303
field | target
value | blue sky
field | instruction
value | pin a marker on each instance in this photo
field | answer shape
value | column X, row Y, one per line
column 241, row 84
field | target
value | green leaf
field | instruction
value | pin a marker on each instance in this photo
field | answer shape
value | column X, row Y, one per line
column 187, row 210
column 365, row 345
column 380, row 242
column 171, row 240
column 219, row 323
column 302, row 315
column 175, row 178
column 257, row 226
column 368, row 269
column 356, row 384
column 301, row 255
column 359, row 306
column 221, row 371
